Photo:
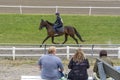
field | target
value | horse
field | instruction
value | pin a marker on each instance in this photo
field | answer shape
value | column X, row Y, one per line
column 68, row 31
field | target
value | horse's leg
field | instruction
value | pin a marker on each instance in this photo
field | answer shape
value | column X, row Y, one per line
column 72, row 36
column 45, row 40
column 53, row 41
column 66, row 37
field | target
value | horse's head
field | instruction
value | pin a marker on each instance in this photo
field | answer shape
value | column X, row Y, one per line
column 42, row 24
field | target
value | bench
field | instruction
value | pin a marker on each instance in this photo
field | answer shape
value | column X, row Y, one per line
column 106, row 69
column 39, row 78
column 31, row 78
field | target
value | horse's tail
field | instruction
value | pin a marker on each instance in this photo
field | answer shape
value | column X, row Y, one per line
column 78, row 35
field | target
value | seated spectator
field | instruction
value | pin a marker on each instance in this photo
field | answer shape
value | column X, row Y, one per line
column 103, row 56
column 78, row 66
column 50, row 65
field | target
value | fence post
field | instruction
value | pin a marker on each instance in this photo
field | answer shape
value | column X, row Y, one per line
column 90, row 11
column 45, row 49
column 13, row 53
column 118, row 52
column 68, row 51
column 56, row 9
column 92, row 50
column 20, row 9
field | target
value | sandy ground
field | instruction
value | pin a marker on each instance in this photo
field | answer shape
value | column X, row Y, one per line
column 13, row 71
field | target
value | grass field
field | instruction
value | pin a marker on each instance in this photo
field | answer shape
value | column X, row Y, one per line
column 16, row 28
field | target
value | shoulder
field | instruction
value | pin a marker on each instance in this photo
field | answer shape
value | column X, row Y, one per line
column 57, row 58
column 105, row 58
column 71, row 59
column 53, row 57
column 43, row 56
column 58, row 17
column 86, row 60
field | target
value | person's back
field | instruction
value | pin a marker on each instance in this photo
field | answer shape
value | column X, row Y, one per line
column 107, row 59
column 79, row 70
column 50, row 66
column 78, row 65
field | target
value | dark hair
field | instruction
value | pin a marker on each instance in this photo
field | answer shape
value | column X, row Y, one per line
column 57, row 13
column 103, row 53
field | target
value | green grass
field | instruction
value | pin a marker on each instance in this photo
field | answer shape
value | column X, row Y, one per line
column 16, row 28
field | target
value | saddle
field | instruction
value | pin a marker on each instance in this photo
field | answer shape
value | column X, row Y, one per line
column 59, row 30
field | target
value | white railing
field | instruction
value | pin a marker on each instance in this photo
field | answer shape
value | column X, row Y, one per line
column 57, row 7
column 67, row 53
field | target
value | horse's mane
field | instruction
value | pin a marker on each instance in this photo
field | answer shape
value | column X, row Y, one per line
column 50, row 23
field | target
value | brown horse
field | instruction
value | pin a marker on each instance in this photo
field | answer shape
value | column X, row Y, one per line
column 68, row 31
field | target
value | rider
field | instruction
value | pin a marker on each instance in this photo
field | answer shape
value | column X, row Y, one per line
column 58, row 25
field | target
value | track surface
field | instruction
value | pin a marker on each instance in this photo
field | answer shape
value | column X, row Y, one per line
column 80, row 3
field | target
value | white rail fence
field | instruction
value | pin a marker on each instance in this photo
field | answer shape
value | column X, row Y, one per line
column 20, row 7
column 67, row 53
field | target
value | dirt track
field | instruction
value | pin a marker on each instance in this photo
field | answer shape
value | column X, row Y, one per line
column 108, row 3
column 81, row 3
column 13, row 70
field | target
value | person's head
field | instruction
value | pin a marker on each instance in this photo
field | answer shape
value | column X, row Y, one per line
column 52, row 50
column 57, row 13
column 79, row 55
column 103, row 53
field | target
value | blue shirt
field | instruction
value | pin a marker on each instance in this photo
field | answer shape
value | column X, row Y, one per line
column 50, row 65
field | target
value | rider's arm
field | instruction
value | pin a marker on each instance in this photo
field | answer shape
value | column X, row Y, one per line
column 60, row 23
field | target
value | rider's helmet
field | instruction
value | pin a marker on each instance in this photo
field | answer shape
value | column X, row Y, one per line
column 57, row 13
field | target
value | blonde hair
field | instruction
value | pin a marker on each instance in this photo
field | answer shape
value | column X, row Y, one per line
column 51, row 50
column 79, row 56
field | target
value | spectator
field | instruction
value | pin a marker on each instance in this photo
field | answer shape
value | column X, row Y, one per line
column 78, row 65
column 50, row 65
column 103, row 56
